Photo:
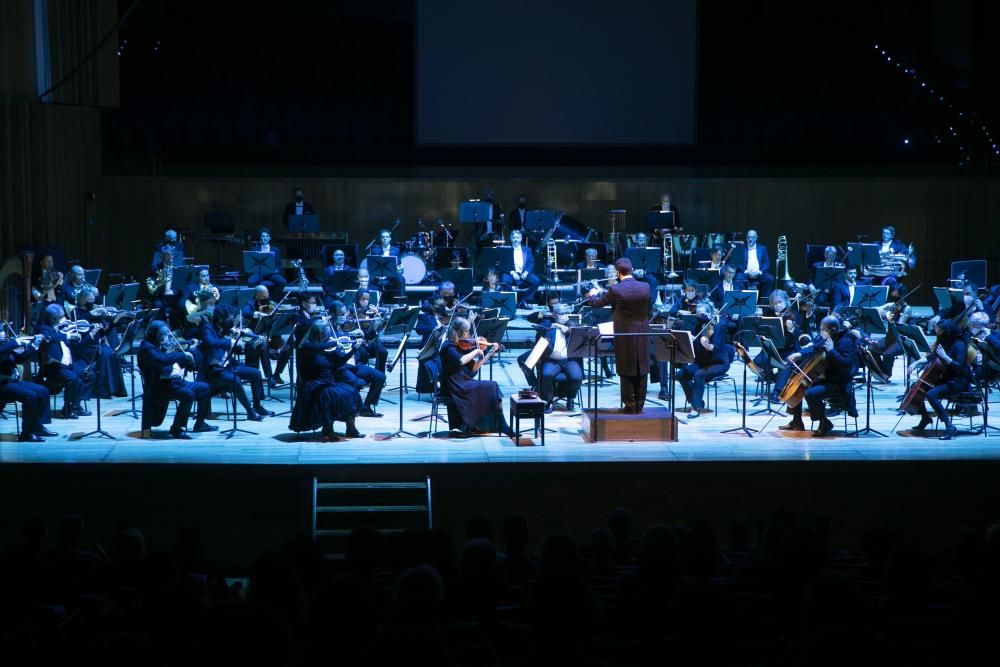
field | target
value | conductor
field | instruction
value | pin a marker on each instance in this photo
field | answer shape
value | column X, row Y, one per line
column 629, row 299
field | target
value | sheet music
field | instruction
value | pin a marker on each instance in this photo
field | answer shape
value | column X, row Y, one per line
column 606, row 328
column 536, row 353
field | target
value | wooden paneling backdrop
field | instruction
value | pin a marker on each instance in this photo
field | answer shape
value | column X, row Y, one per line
column 946, row 219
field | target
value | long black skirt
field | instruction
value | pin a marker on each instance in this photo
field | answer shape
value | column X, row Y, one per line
column 477, row 403
column 322, row 402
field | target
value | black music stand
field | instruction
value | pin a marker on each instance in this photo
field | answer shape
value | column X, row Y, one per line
column 862, row 254
column 826, row 276
column 870, row 321
column 92, row 276
column 181, row 278
column 474, row 211
column 462, row 278
column 96, row 363
column 870, row 296
column 113, row 297
column 133, row 330
column 580, row 344
column 657, row 220
column 489, row 258
column 444, row 258
column 675, row 346
column 970, row 270
column 307, row 222
column 281, row 324
column 871, row 368
column 644, row 259
column 770, row 348
column 743, row 428
column 740, row 302
column 401, row 321
column 344, row 280
column 503, row 301
column 261, row 263
column 493, row 331
column 949, row 300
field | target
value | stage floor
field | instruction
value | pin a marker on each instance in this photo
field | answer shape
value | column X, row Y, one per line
column 700, row 439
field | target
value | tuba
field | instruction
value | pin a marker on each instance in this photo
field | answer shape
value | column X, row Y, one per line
column 782, row 258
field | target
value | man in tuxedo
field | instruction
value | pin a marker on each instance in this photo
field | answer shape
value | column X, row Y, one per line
column 170, row 243
column 590, row 260
column 274, row 281
column 523, row 273
column 555, row 364
column 729, row 282
column 516, row 218
column 630, row 300
column 386, row 248
column 755, row 264
column 298, row 207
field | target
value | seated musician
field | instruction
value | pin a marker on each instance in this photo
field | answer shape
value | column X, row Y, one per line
column 357, row 375
column 888, row 348
column 794, row 327
column 204, row 282
column 590, row 260
column 987, row 344
column 554, row 362
column 755, row 264
column 951, row 351
column 170, row 243
column 60, row 366
column 257, row 317
column 220, row 367
column 297, row 207
column 666, row 204
column 34, row 398
column 96, row 347
column 386, row 248
column 168, row 383
column 836, row 295
column 274, row 280
column 729, row 282
column 689, row 298
column 323, row 399
column 891, row 247
column 829, row 262
column 642, row 241
column 714, row 258
column 523, row 274
column 842, row 363
column 431, row 327
column 515, row 219
column 541, row 319
column 75, row 282
column 373, row 347
column 713, row 355
column 491, row 281
column 339, row 263
column 478, row 403
column 48, row 285
column 164, row 297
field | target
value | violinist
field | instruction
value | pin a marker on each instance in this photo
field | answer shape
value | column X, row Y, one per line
column 357, row 375
column 950, row 354
column 165, row 383
column 221, row 369
column 376, row 318
column 689, row 301
column 713, row 355
column 842, row 359
column 96, row 347
column 273, row 280
column 60, row 366
column 322, row 398
column 308, row 311
column 34, row 398
column 364, row 283
column 895, row 312
column 478, row 403
column 555, row 364
column 48, row 287
column 257, row 315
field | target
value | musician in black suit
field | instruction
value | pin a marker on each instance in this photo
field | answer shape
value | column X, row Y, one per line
column 951, row 350
column 794, row 324
column 298, row 207
column 59, row 364
column 274, row 280
column 171, row 243
column 523, row 273
column 713, row 355
column 220, row 367
column 666, row 204
column 842, row 363
column 754, row 263
column 386, row 248
column 642, row 241
column 629, row 299
column 590, row 260
column 555, row 364
column 515, row 219
column 729, row 282
column 33, row 397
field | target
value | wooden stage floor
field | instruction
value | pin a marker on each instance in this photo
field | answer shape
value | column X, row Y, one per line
column 699, row 439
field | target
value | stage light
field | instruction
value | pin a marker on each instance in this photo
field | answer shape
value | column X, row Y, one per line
column 906, row 142
column 923, row 85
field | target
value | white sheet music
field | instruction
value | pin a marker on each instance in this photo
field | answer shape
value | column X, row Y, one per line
column 606, row 328
column 536, row 353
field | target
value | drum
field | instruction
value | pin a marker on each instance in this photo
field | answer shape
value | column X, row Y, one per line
column 414, row 268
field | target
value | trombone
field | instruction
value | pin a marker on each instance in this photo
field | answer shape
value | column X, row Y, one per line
column 668, row 254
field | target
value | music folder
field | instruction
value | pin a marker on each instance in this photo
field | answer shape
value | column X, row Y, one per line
column 307, row 222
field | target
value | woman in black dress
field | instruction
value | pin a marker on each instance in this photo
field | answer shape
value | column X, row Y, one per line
column 478, row 402
column 322, row 400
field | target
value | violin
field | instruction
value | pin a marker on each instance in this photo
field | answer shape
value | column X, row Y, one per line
column 480, row 343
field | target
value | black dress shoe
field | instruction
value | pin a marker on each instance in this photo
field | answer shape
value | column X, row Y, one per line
column 80, row 412
column 548, row 408
column 354, row 433
column 369, row 411
column 254, row 417
column 663, row 396
column 570, row 405
column 67, row 413
column 794, row 425
column 179, row 434
column 205, row 428
column 259, row 409
column 45, row 433
column 29, row 437
column 949, row 432
column 924, row 423
column 825, row 428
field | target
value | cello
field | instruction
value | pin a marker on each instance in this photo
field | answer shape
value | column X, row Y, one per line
column 805, row 375
column 930, row 375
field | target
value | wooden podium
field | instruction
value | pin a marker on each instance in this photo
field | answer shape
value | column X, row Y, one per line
column 654, row 424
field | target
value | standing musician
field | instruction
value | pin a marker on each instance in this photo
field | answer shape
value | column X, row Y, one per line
column 523, row 273
column 360, row 374
column 642, row 241
column 274, row 280
column 590, row 260
column 515, row 220
column 950, row 350
column 478, row 403
column 297, row 207
column 842, row 363
column 323, row 399
column 168, row 384
column 33, row 397
column 48, row 287
column 555, row 362
column 221, row 369
column 712, row 356
column 365, row 311
column 630, row 300
column 257, row 315
column 59, row 364
column 755, row 264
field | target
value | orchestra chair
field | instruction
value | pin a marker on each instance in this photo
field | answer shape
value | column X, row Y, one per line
column 842, row 405
column 713, row 384
column 154, row 410
column 17, row 415
column 967, row 404
column 442, row 398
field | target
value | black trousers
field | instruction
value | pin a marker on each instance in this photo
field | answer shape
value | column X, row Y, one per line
column 567, row 371
column 361, row 375
column 633, row 391
column 75, row 388
column 223, row 378
column 187, row 394
column 34, row 399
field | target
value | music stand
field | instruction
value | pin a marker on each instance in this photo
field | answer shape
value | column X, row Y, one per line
column 503, row 301
column 462, row 278
column 92, row 276
column 740, row 302
column 870, row 321
column 133, row 330
column 743, row 428
column 541, row 220
column 675, row 346
column 130, row 292
column 113, row 297
column 862, row 254
column 282, row 323
column 182, row 276
column 916, row 335
column 583, row 342
column 489, row 258
column 826, row 276
column 657, row 220
column 871, row 368
column 474, row 211
column 493, row 331
column 970, row 270
column 344, row 280
column 870, row 296
column 644, row 259
column 401, row 321
column 261, row 263
column 949, row 300
column 307, row 222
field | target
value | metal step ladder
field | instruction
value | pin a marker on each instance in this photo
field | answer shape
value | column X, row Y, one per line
column 389, row 507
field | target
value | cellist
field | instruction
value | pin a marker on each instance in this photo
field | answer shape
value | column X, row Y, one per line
column 842, row 363
column 955, row 375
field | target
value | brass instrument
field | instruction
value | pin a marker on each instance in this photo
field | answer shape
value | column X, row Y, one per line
column 50, row 282
column 164, row 276
column 551, row 255
column 782, row 257
column 668, row 254
column 303, row 281
column 890, row 264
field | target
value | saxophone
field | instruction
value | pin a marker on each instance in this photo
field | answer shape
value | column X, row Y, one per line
column 303, row 280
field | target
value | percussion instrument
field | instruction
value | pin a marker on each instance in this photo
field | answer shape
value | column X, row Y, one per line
column 414, row 268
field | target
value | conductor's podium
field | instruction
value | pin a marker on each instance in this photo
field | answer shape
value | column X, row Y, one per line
column 653, row 424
